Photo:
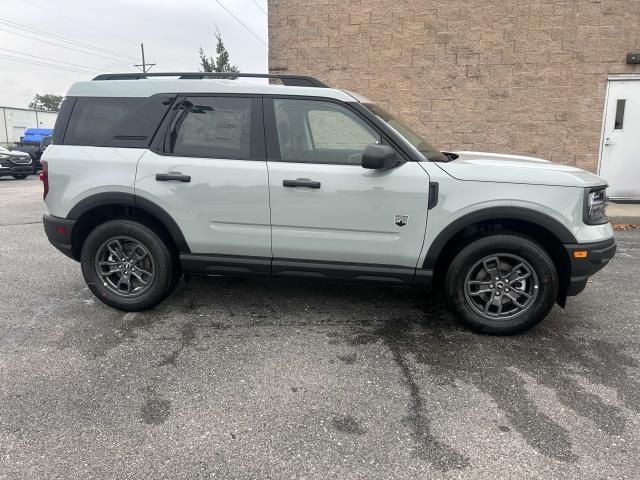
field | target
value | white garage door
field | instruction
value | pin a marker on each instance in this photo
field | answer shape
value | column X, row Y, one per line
column 17, row 133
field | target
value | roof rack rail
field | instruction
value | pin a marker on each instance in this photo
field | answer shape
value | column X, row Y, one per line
column 289, row 80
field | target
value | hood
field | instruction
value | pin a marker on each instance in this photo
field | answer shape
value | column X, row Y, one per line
column 495, row 167
column 18, row 153
column 14, row 153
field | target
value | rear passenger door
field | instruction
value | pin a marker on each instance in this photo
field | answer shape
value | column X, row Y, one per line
column 207, row 169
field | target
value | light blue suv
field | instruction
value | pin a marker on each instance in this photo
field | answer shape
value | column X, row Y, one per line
column 149, row 178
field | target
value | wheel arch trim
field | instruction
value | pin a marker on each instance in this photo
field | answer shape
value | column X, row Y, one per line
column 137, row 203
column 549, row 223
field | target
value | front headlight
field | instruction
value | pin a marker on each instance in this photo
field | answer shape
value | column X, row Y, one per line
column 595, row 202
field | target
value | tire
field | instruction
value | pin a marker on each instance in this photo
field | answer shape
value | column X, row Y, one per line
column 20, row 176
column 148, row 274
column 34, row 162
column 511, row 274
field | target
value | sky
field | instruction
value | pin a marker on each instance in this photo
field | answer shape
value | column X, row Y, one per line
column 74, row 40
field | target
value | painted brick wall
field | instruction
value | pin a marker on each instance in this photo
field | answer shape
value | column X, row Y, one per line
column 511, row 76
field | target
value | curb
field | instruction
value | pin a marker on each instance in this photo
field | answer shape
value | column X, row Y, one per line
column 628, row 220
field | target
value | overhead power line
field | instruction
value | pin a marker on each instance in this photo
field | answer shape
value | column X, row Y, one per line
column 75, row 19
column 240, row 22
column 60, row 38
column 65, row 46
column 124, row 58
column 43, row 64
column 259, row 7
column 51, row 60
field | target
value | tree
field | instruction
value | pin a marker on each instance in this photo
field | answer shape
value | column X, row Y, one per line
column 219, row 64
column 47, row 102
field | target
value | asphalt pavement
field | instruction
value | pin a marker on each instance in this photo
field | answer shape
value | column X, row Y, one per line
column 258, row 379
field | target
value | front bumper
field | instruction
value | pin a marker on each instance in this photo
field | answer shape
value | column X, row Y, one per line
column 58, row 232
column 13, row 169
column 597, row 256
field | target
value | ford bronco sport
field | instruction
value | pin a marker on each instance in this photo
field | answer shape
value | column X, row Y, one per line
column 149, row 178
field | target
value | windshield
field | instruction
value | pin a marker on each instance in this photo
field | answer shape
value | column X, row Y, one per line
column 420, row 144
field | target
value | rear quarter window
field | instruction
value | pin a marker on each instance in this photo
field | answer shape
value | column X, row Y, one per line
column 116, row 122
column 62, row 120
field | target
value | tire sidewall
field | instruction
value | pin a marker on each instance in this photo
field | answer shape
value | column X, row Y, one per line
column 163, row 280
column 523, row 247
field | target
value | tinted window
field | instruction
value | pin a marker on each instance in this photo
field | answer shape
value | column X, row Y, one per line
column 137, row 129
column 93, row 119
column 62, row 119
column 212, row 127
column 313, row 131
column 619, row 123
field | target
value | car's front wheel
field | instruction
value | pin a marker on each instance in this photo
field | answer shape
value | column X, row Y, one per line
column 501, row 284
column 20, row 176
column 128, row 266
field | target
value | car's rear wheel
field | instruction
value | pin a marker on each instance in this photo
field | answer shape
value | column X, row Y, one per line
column 501, row 284
column 128, row 266
column 20, row 176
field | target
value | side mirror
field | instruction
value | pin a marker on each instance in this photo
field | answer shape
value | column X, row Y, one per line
column 377, row 156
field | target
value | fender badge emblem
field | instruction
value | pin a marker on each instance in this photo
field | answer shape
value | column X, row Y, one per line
column 401, row 220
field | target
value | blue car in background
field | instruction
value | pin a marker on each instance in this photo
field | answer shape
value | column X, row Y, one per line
column 35, row 135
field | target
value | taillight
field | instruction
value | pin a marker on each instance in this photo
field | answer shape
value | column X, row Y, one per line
column 44, row 178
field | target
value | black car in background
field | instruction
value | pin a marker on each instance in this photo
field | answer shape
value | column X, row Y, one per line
column 15, row 163
column 34, row 150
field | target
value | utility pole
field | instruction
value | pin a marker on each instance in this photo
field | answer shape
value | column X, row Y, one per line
column 145, row 66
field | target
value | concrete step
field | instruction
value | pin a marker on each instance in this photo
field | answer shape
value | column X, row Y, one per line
column 624, row 213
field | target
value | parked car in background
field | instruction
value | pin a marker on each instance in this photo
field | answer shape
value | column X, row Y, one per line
column 17, row 164
column 46, row 141
column 148, row 179
column 34, row 142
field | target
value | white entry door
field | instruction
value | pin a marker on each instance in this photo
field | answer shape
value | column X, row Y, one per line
column 620, row 150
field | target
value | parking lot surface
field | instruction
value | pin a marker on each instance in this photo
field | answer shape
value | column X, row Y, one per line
column 243, row 378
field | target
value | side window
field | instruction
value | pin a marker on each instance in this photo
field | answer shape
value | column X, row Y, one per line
column 316, row 131
column 62, row 120
column 213, row 127
column 93, row 118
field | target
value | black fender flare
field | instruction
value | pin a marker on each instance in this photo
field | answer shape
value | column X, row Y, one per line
column 563, row 234
column 135, row 202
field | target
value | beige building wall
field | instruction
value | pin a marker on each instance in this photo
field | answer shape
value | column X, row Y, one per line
column 510, row 76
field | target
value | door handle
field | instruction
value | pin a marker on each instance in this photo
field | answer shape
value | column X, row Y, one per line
column 167, row 177
column 608, row 141
column 301, row 182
